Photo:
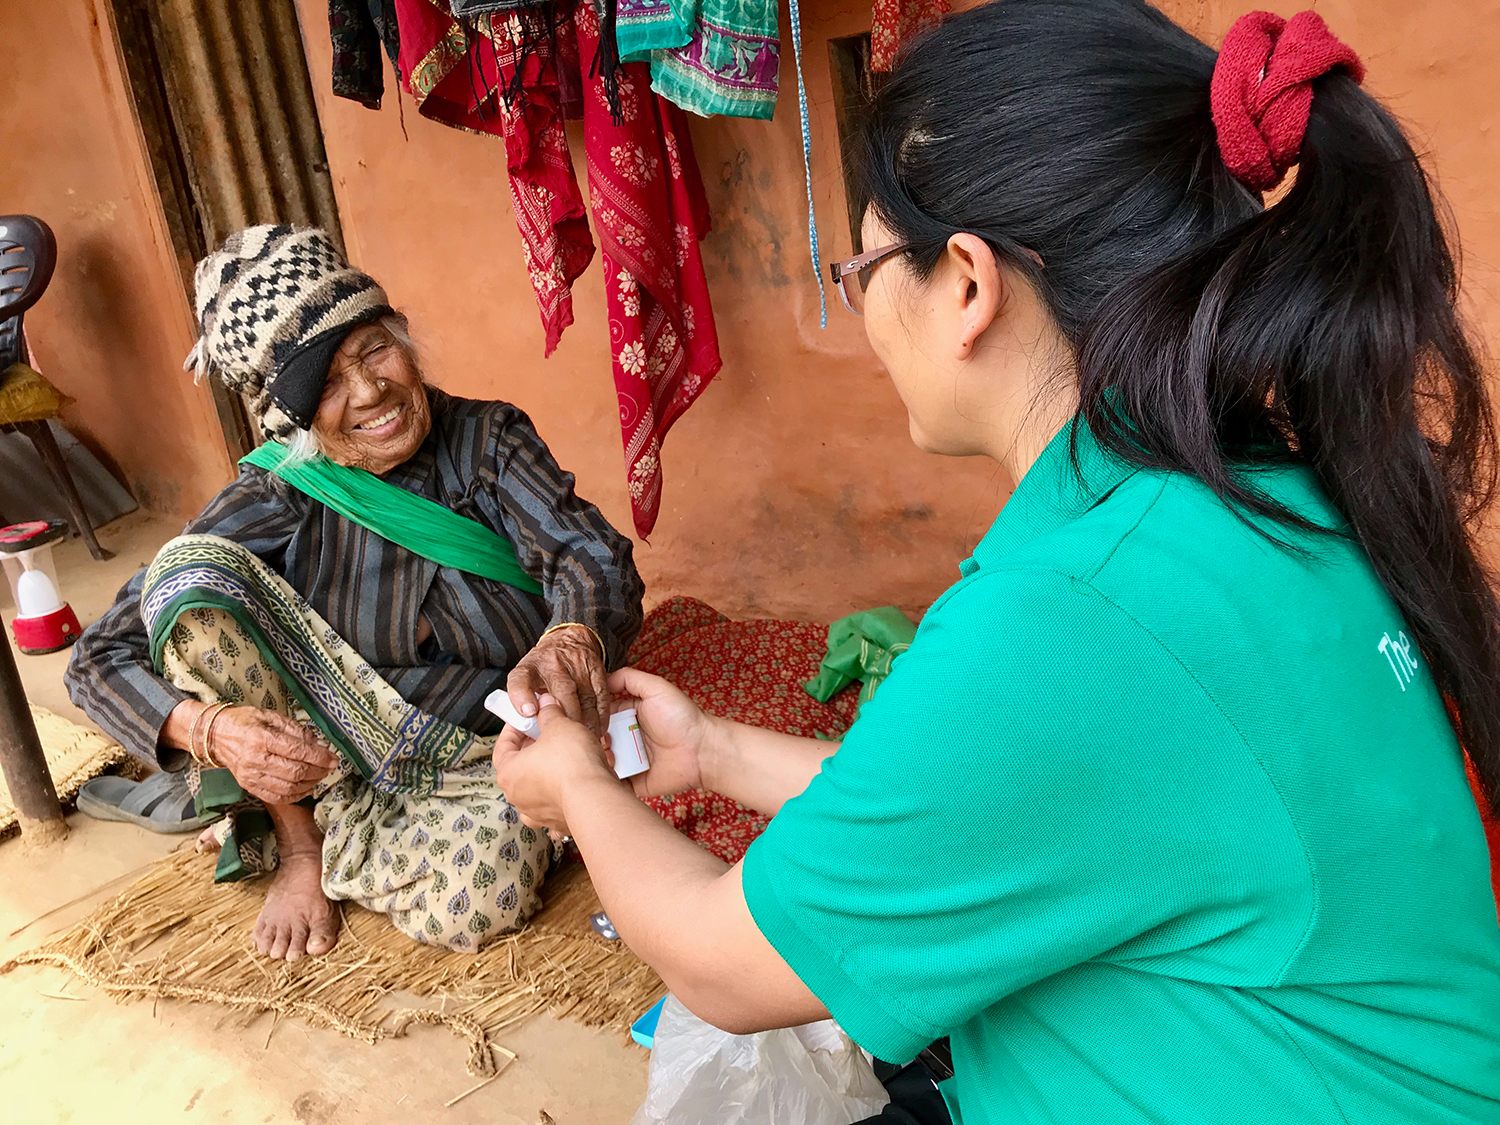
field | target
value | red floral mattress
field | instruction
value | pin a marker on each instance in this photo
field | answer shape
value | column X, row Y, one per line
column 747, row 671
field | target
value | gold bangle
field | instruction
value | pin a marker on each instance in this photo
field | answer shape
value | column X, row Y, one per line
column 207, row 713
column 598, row 640
column 192, row 746
column 199, row 752
column 208, row 734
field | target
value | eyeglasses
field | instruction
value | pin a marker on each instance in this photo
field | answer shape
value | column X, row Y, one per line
column 860, row 270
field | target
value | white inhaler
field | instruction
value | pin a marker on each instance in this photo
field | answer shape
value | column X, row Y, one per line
column 625, row 740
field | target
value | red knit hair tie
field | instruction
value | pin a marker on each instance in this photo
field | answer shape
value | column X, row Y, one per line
column 1261, row 92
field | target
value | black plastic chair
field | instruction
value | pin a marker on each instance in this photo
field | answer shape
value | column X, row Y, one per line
column 28, row 255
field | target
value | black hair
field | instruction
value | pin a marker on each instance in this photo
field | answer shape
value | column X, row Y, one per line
column 1212, row 332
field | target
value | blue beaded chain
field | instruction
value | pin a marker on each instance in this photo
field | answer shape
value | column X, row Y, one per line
column 812, row 218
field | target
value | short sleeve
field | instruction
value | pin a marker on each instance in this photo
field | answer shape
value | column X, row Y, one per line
column 1038, row 784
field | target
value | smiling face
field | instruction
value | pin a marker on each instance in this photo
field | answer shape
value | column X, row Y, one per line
column 374, row 412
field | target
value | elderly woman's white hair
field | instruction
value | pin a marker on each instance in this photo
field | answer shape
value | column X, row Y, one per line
column 303, row 445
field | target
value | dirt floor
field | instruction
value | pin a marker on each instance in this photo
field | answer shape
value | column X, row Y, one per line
column 69, row 1054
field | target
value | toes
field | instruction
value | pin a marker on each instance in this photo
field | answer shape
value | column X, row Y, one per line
column 279, row 944
column 324, row 936
column 297, row 946
column 262, row 936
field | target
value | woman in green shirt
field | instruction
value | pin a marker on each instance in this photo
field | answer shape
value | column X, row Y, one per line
column 1162, row 817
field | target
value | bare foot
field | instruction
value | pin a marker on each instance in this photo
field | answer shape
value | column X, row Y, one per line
column 297, row 920
column 208, row 840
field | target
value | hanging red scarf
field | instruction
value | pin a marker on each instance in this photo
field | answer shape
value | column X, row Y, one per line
column 644, row 188
column 458, row 79
column 650, row 212
column 895, row 23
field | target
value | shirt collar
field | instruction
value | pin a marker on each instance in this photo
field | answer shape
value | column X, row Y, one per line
column 1064, row 482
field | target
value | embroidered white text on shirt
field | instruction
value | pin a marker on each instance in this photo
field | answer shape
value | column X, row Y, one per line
column 1400, row 656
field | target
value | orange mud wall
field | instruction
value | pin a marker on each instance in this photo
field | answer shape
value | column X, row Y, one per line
column 113, row 327
column 791, row 486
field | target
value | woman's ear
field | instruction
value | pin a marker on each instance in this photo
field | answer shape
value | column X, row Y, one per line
column 977, row 289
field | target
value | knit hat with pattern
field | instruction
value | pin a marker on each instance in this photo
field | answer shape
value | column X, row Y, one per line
column 274, row 303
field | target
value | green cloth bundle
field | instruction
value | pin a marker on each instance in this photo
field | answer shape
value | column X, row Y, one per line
column 862, row 646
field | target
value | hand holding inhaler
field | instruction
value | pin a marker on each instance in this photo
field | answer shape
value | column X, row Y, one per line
column 626, row 743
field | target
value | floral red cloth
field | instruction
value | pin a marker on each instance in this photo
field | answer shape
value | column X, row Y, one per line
column 650, row 212
column 457, row 78
column 894, row 23
column 748, row 671
column 555, row 240
column 644, row 187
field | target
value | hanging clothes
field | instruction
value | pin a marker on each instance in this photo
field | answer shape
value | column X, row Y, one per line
column 729, row 63
column 359, row 30
column 472, row 9
column 650, row 212
column 517, row 74
column 549, row 208
column 527, row 26
column 894, row 23
column 645, row 26
column 462, row 80
column 723, row 58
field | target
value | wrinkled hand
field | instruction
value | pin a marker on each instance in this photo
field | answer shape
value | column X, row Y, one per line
column 534, row 776
column 674, row 729
column 565, row 665
column 272, row 757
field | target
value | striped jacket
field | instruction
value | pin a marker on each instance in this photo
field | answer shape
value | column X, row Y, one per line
column 483, row 460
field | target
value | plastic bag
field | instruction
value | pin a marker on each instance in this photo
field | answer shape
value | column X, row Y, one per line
column 809, row 1075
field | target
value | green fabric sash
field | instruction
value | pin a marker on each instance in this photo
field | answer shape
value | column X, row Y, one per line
column 422, row 526
column 862, row 646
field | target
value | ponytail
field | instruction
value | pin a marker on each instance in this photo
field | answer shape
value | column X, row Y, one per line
column 1328, row 324
column 1211, row 331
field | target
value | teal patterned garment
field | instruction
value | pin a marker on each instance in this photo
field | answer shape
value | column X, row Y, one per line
column 730, row 64
column 646, row 26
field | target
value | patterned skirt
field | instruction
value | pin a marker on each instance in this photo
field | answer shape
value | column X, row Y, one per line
column 413, row 824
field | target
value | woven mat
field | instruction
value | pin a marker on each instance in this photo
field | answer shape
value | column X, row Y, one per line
column 176, row 935
column 74, row 755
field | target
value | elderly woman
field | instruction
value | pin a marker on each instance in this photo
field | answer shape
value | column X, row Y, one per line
column 316, row 649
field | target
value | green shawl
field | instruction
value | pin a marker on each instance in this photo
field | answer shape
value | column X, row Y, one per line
column 422, row 526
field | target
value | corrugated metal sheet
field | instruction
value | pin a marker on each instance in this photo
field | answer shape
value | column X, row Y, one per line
column 242, row 108
column 226, row 107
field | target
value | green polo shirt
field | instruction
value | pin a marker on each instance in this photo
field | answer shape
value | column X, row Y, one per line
column 1159, row 821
